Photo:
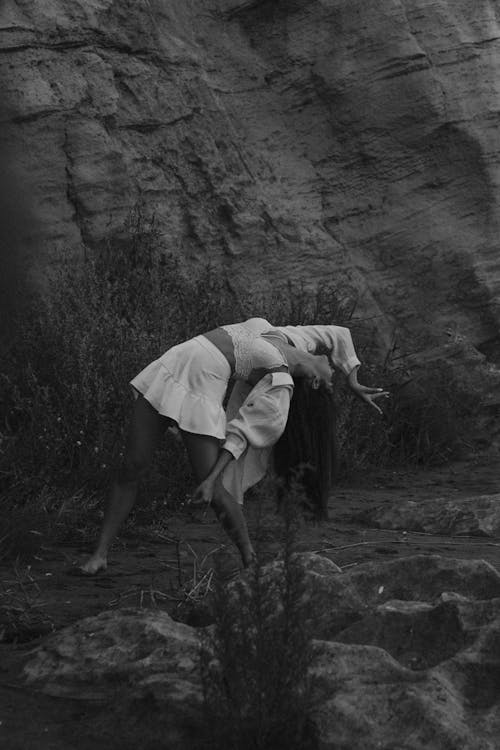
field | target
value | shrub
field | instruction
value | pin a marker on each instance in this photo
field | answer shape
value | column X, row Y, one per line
column 255, row 663
column 427, row 419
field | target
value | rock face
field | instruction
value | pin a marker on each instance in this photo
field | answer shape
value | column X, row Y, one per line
column 351, row 141
column 472, row 516
column 405, row 655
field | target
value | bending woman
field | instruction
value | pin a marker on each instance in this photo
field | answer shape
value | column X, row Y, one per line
column 308, row 442
column 187, row 385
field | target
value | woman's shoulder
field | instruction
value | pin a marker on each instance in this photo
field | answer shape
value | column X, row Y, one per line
column 259, row 325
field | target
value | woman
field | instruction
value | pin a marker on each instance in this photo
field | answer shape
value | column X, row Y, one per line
column 188, row 385
column 307, row 444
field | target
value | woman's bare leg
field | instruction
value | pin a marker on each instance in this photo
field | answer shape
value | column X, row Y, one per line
column 145, row 430
column 203, row 452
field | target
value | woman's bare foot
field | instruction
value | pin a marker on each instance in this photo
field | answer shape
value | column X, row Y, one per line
column 94, row 564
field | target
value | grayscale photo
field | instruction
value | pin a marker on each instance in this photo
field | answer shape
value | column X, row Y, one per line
column 250, row 375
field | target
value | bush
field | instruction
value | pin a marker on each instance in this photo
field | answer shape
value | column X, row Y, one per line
column 255, row 662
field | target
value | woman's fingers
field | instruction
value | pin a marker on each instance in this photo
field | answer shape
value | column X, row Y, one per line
column 373, row 392
column 370, row 397
column 202, row 494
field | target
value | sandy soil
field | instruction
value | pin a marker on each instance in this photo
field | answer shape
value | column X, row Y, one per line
column 161, row 570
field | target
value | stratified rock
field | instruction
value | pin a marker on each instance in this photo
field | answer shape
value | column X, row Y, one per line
column 348, row 141
column 472, row 516
column 423, row 578
column 336, row 601
column 420, row 635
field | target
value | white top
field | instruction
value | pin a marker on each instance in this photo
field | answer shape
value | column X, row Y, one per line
column 251, row 351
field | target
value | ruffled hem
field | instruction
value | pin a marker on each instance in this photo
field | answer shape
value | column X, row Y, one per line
column 193, row 412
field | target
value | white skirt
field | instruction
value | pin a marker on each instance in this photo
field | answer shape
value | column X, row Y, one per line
column 188, row 384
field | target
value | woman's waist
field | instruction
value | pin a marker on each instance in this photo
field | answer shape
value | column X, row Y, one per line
column 218, row 339
column 250, row 357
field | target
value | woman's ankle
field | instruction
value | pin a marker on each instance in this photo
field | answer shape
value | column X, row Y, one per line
column 248, row 556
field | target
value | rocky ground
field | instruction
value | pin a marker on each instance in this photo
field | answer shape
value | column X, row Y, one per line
column 407, row 652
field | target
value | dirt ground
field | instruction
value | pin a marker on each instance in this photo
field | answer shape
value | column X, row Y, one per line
column 170, row 569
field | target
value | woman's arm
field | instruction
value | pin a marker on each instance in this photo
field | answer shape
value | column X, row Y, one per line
column 337, row 340
column 259, row 422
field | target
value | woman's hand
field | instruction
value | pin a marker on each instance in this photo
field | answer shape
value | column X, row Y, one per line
column 204, row 493
column 366, row 393
column 370, row 395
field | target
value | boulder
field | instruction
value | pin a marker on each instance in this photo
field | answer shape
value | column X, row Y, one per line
column 337, row 601
column 366, row 700
column 405, row 655
column 140, row 650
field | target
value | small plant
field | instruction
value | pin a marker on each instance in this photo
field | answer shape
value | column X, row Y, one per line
column 255, row 665
column 22, row 616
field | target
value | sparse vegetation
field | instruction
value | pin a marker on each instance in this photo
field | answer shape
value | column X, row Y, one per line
column 427, row 420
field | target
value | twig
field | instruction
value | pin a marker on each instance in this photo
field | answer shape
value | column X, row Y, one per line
column 346, row 546
column 165, row 538
column 449, row 541
column 439, row 536
column 179, row 569
column 208, row 575
column 211, row 552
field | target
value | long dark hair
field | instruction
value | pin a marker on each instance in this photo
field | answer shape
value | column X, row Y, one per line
column 307, row 451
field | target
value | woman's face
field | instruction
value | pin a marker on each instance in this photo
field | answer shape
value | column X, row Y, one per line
column 324, row 371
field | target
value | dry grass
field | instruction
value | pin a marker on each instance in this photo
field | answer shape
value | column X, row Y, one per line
column 188, row 588
column 22, row 615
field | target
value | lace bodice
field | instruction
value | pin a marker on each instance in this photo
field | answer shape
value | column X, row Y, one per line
column 251, row 352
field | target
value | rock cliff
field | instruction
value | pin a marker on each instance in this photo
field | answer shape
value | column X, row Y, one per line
column 349, row 140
